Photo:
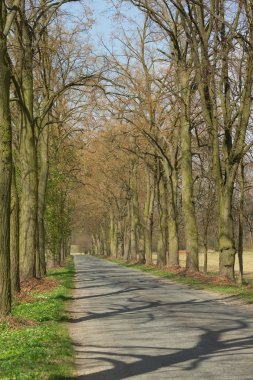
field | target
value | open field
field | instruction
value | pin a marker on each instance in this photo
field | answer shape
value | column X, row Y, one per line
column 213, row 262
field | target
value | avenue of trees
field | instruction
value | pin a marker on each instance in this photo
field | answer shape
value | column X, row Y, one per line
column 145, row 147
column 170, row 165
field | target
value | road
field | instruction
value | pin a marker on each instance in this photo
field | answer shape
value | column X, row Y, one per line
column 129, row 325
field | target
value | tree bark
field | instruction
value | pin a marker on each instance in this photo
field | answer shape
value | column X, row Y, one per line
column 162, row 247
column 14, row 236
column 113, row 236
column 188, row 207
column 5, row 175
column 226, row 234
column 29, row 258
column 241, row 224
column 127, row 233
column 135, row 223
column 173, row 257
column 148, row 218
column 42, row 186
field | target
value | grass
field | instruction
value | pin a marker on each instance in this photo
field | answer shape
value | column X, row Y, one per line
column 39, row 347
column 237, row 291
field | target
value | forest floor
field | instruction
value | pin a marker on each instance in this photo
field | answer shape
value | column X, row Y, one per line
column 129, row 324
column 34, row 341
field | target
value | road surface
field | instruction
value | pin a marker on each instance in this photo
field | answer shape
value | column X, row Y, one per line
column 126, row 324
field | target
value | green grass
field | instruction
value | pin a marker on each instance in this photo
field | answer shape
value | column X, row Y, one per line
column 241, row 292
column 43, row 350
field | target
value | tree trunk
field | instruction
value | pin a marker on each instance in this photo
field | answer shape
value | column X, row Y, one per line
column 14, row 236
column 226, row 234
column 5, row 177
column 135, row 224
column 171, row 183
column 113, row 236
column 127, row 231
column 188, row 207
column 205, row 257
column 173, row 257
column 42, row 186
column 241, row 223
column 106, row 249
column 148, row 218
column 29, row 259
column 120, row 240
column 162, row 247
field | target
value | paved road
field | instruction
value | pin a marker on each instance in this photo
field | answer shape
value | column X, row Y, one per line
column 129, row 325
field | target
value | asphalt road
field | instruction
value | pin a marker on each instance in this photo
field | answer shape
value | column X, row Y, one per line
column 129, row 325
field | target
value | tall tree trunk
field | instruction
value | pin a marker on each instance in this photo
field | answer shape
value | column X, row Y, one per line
column 148, row 218
column 127, row 243
column 113, row 236
column 106, row 249
column 241, row 224
column 226, row 234
column 14, row 236
column 120, row 240
column 162, row 247
column 42, row 186
column 135, row 223
column 173, row 257
column 127, row 232
column 5, row 175
column 171, row 183
column 205, row 252
column 29, row 258
column 188, row 207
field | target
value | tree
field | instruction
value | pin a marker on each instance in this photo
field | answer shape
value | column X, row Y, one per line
column 7, row 16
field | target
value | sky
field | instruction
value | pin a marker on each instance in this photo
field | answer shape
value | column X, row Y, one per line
column 106, row 21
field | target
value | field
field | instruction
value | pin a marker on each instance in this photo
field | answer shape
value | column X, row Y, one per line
column 213, row 262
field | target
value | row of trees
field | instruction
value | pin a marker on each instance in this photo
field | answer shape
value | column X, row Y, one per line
column 167, row 143
column 39, row 72
column 176, row 123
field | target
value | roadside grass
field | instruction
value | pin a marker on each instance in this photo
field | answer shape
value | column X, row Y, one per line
column 209, row 283
column 34, row 344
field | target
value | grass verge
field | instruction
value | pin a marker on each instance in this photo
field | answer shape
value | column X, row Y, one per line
column 34, row 344
column 198, row 281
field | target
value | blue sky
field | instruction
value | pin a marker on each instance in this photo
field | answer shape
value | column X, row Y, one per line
column 105, row 20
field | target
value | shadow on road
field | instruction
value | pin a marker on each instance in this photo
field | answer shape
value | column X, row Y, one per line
column 216, row 330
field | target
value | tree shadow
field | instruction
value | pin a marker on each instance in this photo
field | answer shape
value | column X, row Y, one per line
column 125, row 361
column 208, row 346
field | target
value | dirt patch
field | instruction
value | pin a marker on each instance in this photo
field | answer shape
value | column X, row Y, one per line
column 38, row 285
column 35, row 285
column 205, row 278
column 17, row 322
column 23, row 297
